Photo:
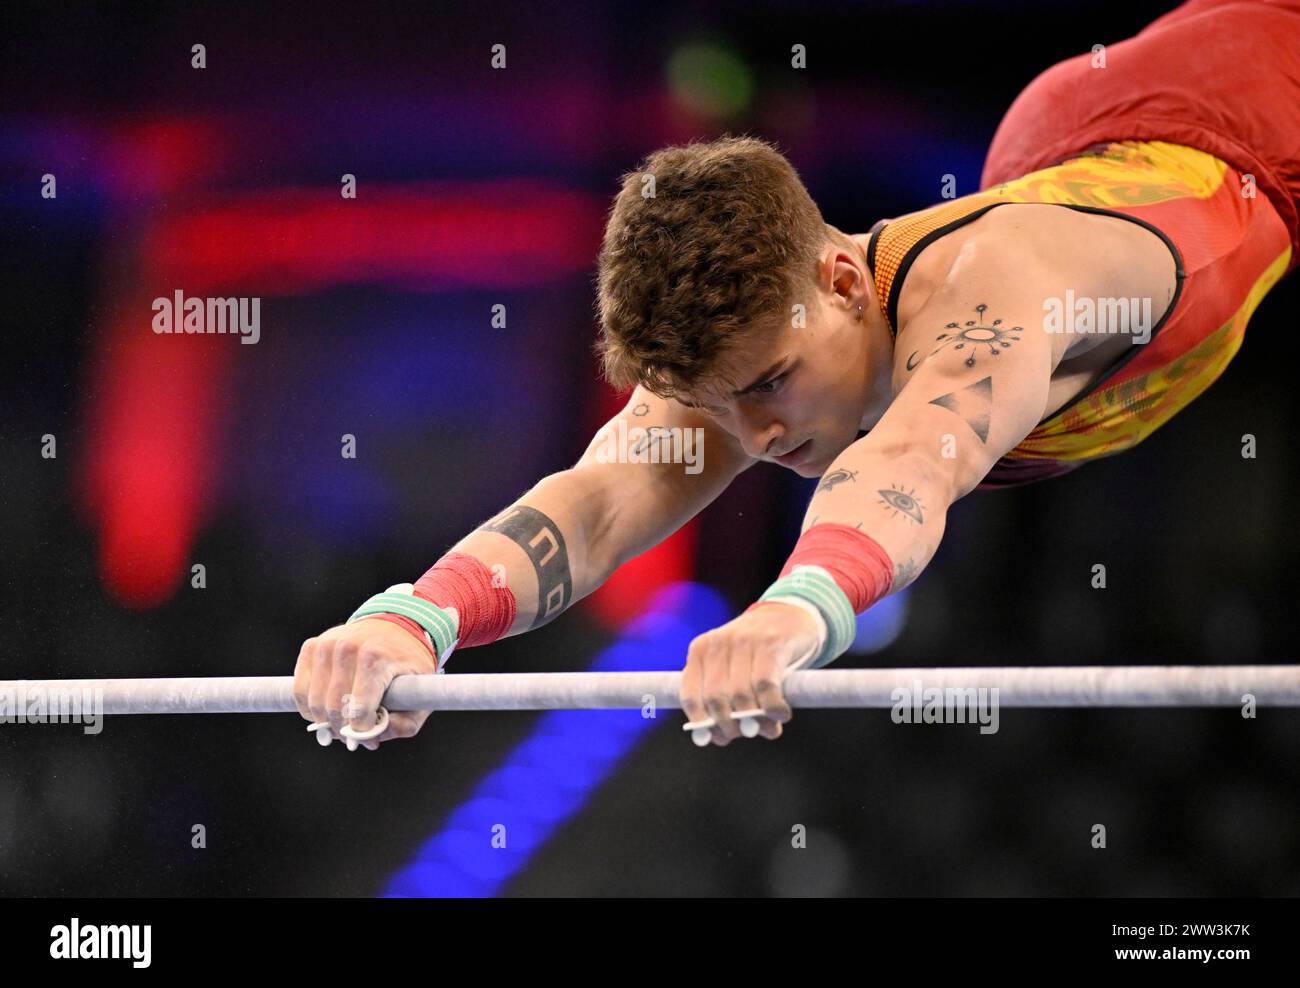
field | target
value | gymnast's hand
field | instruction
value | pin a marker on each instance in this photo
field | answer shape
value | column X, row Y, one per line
column 342, row 674
column 738, row 668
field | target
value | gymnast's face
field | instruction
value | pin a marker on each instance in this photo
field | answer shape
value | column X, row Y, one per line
column 797, row 395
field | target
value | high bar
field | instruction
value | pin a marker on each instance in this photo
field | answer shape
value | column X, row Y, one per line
column 1021, row 686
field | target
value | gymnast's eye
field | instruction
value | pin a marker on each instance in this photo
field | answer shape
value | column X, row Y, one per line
column 771, row 387
column 706, row 409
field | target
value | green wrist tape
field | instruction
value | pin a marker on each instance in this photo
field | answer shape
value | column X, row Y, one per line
column 817, row 588
column 432, row 618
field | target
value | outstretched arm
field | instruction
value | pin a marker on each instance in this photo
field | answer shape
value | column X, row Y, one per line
column 978, row 385
column 654, row 466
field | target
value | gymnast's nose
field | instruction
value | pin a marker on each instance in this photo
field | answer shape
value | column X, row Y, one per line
column 759, row 432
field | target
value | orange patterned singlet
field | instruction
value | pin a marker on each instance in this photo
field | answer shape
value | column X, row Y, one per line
column 1230, row 249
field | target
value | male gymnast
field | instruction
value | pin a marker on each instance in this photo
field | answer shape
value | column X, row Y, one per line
column 1154, row 194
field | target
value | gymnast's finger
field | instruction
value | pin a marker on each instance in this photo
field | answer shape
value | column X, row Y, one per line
column 339, row 675
column 719, row 654
column 371, row 677
column 302, row 676
column 402, row 725
column 691, row 699
column 766, row 673
column 375, row 672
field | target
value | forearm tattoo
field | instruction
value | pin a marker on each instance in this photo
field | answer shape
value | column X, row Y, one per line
column 904, row 573
column 904, row 503
column 541, row 538
column 836, row 477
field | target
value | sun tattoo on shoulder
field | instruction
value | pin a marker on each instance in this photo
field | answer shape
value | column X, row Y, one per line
column 975, row 334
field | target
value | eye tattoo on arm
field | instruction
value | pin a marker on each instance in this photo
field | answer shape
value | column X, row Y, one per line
column 903, row 503
column 541, row 538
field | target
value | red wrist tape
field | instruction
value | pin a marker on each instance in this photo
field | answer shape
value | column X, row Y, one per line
column 856, row 562
column 486, row 610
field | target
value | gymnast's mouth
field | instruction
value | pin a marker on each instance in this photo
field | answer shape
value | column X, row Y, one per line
column 796, row 455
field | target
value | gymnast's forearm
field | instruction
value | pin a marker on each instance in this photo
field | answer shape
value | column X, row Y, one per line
column 545, row 547
column 518, row 570
column 896, row 495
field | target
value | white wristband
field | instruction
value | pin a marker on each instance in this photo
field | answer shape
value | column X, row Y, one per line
column 822, row 630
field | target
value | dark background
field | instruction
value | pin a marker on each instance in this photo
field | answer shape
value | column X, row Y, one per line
column 480, row 187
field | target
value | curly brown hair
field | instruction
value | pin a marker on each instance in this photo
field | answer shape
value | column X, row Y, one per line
column 718, row 251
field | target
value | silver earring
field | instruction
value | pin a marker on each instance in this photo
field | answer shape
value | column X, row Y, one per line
column 858, row 316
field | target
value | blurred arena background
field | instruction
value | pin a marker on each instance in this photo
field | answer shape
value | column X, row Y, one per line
column 481, row 187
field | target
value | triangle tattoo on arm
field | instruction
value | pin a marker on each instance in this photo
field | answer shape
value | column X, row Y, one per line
column 974, row 403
